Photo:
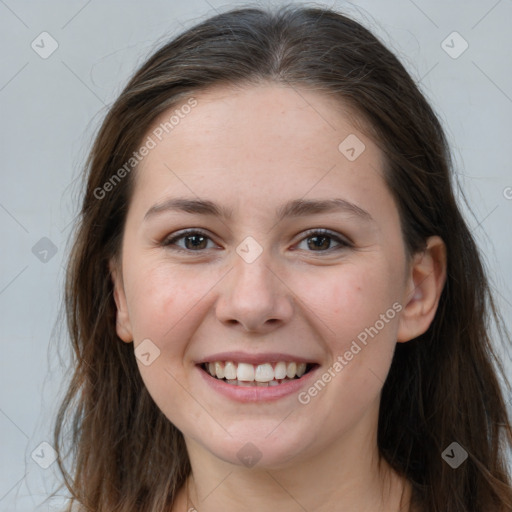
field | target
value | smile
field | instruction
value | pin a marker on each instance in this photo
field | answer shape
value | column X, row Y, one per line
column 260, row 375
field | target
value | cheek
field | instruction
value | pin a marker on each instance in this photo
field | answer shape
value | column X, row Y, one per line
column 163, row 304
column 351, row 297
column 355, row 310
column 160, row 298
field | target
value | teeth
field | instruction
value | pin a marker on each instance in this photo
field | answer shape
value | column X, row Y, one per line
column 280, row 370
column 245, row 372
column 229, row 371
column 263, row 374
column 219, row 370
column 291, row 370
column 246, row 384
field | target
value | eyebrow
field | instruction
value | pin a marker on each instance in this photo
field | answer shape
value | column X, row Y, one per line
column 294, row 208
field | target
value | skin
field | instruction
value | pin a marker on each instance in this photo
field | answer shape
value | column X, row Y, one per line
column 252, row 149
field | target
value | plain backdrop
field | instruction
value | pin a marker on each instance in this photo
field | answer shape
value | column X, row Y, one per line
column 52, row 105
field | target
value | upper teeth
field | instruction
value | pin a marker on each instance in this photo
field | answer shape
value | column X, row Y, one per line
column 260, row 373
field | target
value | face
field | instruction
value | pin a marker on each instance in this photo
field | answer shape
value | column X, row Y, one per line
column 304, row 263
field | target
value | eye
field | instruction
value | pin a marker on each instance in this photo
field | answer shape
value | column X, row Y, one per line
column 321, row 241
column 193, row 241
column 196, row 241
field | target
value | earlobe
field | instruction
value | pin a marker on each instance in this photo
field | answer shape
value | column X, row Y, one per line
column 123, row 327
column 427, row 277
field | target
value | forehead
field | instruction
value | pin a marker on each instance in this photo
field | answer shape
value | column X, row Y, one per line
column 265, row 142
column 241, row 118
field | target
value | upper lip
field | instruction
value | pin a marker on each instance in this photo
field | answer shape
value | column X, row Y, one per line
column 244, row 357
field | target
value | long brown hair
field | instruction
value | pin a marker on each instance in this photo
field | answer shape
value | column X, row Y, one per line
column 443, row 387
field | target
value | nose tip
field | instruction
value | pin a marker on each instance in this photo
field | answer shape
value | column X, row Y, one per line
column 253, row 298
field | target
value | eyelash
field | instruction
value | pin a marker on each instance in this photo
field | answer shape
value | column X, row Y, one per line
column 167, row 242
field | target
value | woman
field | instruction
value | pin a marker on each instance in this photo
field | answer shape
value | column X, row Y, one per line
column 273, row 298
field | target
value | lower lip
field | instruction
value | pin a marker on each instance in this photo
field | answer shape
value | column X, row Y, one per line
column 257, row 393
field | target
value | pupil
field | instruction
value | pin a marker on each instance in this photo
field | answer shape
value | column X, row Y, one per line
column 323, row 238
column 195, row 245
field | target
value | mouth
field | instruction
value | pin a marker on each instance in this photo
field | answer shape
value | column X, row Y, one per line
column 271, row 374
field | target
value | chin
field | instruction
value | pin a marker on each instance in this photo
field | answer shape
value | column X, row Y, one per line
column 264, row 450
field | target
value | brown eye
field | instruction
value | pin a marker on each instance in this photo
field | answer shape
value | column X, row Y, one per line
column 196, row 241
column 193, row 241
column 321, row 241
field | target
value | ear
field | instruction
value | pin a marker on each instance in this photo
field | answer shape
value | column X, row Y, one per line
column 426, row 279
column 123, row 326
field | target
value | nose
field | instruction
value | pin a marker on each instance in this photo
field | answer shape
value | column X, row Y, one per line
column 254, row 297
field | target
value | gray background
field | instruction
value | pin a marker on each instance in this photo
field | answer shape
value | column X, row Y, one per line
column 51, row 108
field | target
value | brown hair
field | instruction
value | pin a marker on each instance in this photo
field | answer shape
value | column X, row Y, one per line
column 442, row 387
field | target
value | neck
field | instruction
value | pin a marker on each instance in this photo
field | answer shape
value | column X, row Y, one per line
column 273, row 490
